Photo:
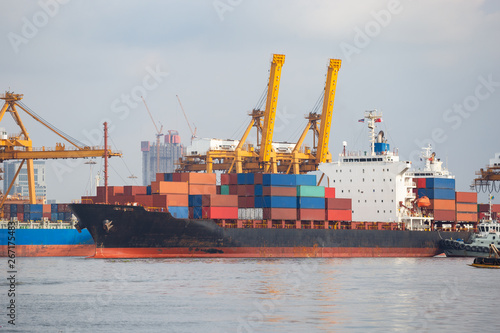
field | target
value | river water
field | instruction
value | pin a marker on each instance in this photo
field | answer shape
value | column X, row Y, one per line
column 251, row 295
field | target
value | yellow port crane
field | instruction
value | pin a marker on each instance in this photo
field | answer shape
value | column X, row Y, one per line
column 20, row 146
column 486, row 180
column 244, row 158
column 306, row 160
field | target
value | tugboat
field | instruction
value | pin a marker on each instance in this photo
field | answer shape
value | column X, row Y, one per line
column 493, row 260
column 479, row 243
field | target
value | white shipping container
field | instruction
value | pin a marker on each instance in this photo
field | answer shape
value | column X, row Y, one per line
column 200, row 146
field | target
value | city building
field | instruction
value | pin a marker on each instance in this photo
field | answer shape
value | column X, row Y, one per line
column 20, row 186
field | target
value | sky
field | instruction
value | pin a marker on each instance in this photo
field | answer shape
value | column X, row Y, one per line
column 430, row 67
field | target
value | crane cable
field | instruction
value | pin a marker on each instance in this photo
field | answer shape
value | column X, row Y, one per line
column 49, row 125
column 126, row 166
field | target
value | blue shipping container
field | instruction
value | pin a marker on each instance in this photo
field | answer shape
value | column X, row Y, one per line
column 278, row 180
column 245, row 179
column 437, row 193
column 53, row 208
column 197, row 213
column 53, row 217
column 168, row 177
column 305, row 180
column 309, row 202
column 60, row 216
column 276, row 202
column 67, row 216
column 258, row 190
column 443, row 183
column 36, row 208
column 13, row 208
column 195, row 200
column 148, row 190
column 179, row 212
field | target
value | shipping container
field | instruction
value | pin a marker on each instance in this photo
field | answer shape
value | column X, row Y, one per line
column 330, row 192
column 179, row 212
column 467, row 217
column 276, row 202
column 308, row 180
column 275, row 179
column 208, row 200
column 257, row 178
column 440, row 183
column 338, row 215
column 279, row 214
column 281, row 191
column 134, row 190
column 202, row 189
column 144, row 200
column 224, row 179
column 306, row 214
column 224, row 189
column 466, row 197
column 440, row 204
column 310, row 191
column 437, row 193
column 197, row 212
column 195, row 200
column 245, row 178
column 148, row 190
column 246, row 190
column 53, row 217
column 444, row 215
column 63, row 208
column 250, row 213
column 246, row 202
column 195, row 178
column 170, row 200
column 466, row 208
column 421, row 182
column 20, row 208
column 46, row 208
column 229, row 213
column 308, row 202
column 233, row 179
column 163, row 187
column 338, row 204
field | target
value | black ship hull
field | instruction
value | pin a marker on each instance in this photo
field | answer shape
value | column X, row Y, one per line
column 133, row 232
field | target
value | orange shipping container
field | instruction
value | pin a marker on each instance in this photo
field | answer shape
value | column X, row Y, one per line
column 466, row 208
column 338, row 215
column 144, row 200
column 466, row 197
column 466, row 217
column 209, row 200
column 46, row 209
column 441, row 204
column 306, row 214
column 202, row 189
column 196, row 178
column 170, row 200
column 169, row 187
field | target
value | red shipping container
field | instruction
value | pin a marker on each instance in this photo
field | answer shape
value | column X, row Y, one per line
column 279, row 191
column 195, row 178
column 257, row 179
column 466, row 208
column 306, row 214
column 233, row 179
column 338, row 215
column 233, row 189
column 482, row 208
column 202, row 189
column 420, row 182
column 338, row 203
column 246, row 202
column 144, row 200
column 246, row 190
column 134, row 190
column 224, row 179
column 444, row 215
column 115, row 190
column 47, row 215
column 20, row 208
column 219, row 189
column 330, row 192
column 495, row 208
column 280, row 213
column 228, row 213
column 466, row 197
column 466, row 217
column 123, row 199
column 170, row 200
column 169, row 187
column 209, row 200
column 20, row 216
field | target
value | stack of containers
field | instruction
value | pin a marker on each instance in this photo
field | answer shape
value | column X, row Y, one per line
column 277, row 196
column 466, row 206
column 484, row 211
column 337, row 209
column 33, row 212
column 310, row 199
column 217, row 206
column 441, row 193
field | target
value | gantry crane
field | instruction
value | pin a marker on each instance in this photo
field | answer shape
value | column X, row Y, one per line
column 159, row 134
column 486, row 180
column 20, row 146
column 245, row 158
column 304, row 161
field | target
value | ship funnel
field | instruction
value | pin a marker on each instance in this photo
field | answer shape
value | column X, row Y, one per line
column 380, row 137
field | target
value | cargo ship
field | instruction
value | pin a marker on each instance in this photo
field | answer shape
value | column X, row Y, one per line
column 370, row 211
column 42, row 230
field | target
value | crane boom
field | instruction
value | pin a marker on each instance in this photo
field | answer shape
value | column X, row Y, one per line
column 151, row 116
column 270, row 112
column 193, row 133
column 322, row 152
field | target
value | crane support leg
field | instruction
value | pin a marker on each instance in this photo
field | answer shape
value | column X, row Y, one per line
column 10, row 187
column 31, row 181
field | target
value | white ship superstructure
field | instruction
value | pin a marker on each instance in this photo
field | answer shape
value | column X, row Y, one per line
column 377, row 180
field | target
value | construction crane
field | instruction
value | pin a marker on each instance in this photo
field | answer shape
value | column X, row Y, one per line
column 159, row 134
column 244, row 158
column 20, row 146
column 193, row 133
column 304, row 161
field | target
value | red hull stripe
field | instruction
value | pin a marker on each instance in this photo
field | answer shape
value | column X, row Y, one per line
column 50, row 250
column 264, row 252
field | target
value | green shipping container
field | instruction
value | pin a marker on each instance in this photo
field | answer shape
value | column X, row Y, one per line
column 224, row 189
column 311, row 191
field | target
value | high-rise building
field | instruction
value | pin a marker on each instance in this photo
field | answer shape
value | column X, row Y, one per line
column 170, row 152
column 20, row 186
